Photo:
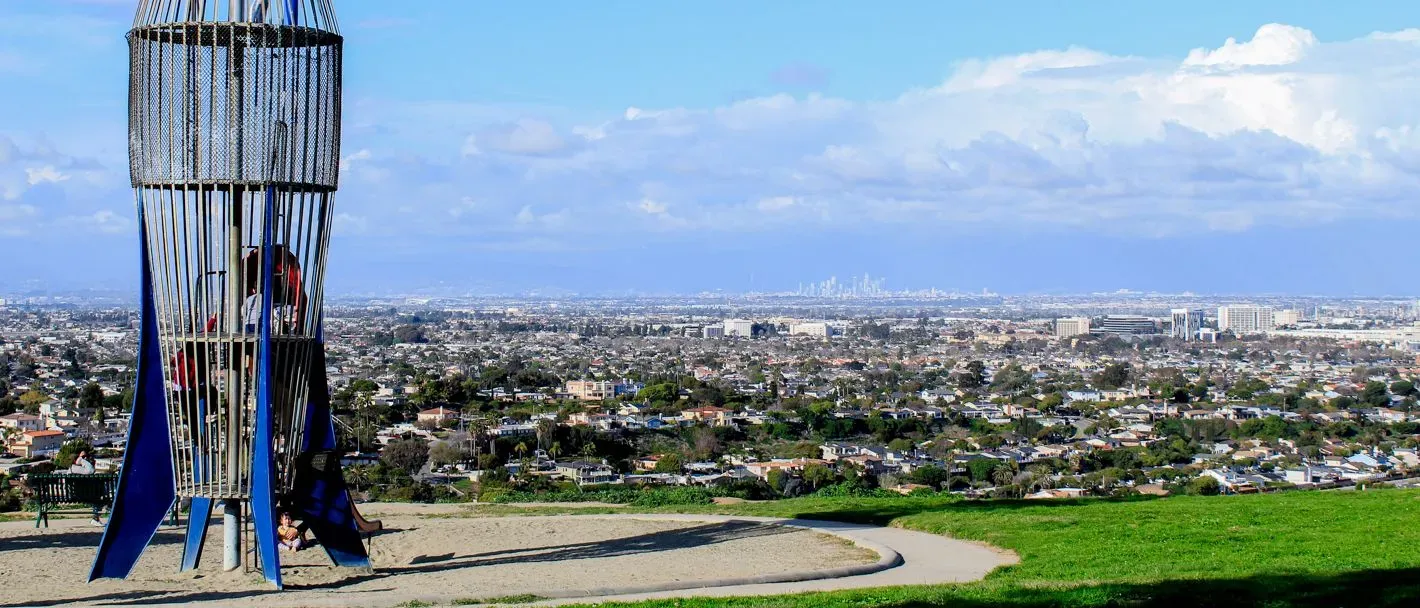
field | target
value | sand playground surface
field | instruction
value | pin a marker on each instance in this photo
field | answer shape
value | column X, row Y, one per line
column 427, row 556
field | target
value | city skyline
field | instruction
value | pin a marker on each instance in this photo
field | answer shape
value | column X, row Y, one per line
column 1263, row 147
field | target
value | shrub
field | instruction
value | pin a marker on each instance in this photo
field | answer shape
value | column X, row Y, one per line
column 672, row 496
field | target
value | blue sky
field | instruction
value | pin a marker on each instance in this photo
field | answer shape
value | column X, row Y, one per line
column 679, row 146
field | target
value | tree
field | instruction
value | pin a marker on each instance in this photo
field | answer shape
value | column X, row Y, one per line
column 1403, row 388
column 980, row 468
column 660, row 394
column 407, row 454
column 818, row 475
column 973, row 377
column 1205, row 485
column 69, row 451
column 705, row 443
column 1112, row 376
column 30, row 401
column 931, row 475
column 670, row 463
column 445, row 453
column 545, row 428
column 91, row 397
column 409, row 334
column 1374, row 394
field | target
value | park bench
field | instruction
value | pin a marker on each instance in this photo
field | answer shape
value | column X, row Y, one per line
column 66, row 492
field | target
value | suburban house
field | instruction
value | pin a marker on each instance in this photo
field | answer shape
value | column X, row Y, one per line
column 30, row 444
column 762, row 469
column 584, row 472
column 22, row 422
column 437, row 415
column 709, row 414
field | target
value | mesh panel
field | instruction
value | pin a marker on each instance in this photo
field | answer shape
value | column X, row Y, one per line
column 235, row 103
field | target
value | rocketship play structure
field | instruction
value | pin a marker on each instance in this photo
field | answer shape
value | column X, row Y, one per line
column 234, row 135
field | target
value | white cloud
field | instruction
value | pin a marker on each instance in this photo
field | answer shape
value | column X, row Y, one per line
column 15, row 219
column 45, row 174
column 347, row 224
column 776, row 203
column 1273, row 44
column 652, row 207
column 526, row 136
column 102, row 221
column 1281, row 129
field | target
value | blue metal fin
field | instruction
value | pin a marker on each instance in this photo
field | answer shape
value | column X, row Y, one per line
column 198, row 517
column 145, row 490
column 320, row 499
column 263, row 470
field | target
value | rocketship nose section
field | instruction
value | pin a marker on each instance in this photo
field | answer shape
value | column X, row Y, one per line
column 315, row 14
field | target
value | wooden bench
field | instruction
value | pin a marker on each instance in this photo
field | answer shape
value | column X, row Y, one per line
column 66, row 492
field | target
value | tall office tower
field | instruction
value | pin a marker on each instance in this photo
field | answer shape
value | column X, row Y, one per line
column 1186, row 323
column 1072, row 326
column 234, row 147
column 1290, row 316
column 1245, row 319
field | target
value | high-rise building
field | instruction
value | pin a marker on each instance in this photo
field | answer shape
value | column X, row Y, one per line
column 739, row 328
column 1246, row 319
column 1128, row 325
column 1288, row 317
column 712, row 331
column 1186, row 323
column 1072, row 326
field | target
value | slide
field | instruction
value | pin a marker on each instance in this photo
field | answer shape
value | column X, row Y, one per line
column 367, row 527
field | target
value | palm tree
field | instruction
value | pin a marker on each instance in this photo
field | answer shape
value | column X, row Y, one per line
column 1003, row 475
column 545, row 428
column 555, row 449
column 521, row 448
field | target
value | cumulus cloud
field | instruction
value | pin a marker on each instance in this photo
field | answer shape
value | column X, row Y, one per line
column 44, row 174
column 44, row 191
column 1273, row 44
column 1279, row 130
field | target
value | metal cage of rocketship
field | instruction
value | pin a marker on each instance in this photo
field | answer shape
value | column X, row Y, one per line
column 234, row 136
column 232, row 125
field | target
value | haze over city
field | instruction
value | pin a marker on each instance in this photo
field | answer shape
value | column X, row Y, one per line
column 1248, row 147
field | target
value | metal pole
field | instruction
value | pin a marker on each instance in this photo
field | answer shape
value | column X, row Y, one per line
column 231, row 534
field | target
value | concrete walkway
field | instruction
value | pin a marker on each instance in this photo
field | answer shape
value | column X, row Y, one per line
column 907, row 558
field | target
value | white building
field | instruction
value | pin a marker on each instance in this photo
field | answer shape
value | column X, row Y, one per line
column 739, row 328
column 712, row 331
column 1186, row 323
column 1246, row 319
column 1072, row 326
column 1288, row 317
column 817, row 329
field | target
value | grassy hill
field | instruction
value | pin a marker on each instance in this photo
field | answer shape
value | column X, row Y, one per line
column 1275, row 550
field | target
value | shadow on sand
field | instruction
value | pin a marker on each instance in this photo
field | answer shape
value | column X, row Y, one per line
column 668, row 540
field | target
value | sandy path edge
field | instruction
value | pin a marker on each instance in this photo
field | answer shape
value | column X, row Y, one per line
column 887, row 556
column 907, row 557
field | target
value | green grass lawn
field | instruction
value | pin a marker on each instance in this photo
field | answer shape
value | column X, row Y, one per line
column 1276, row 550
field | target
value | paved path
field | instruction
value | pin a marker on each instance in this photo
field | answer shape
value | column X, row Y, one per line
column 909, row 558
